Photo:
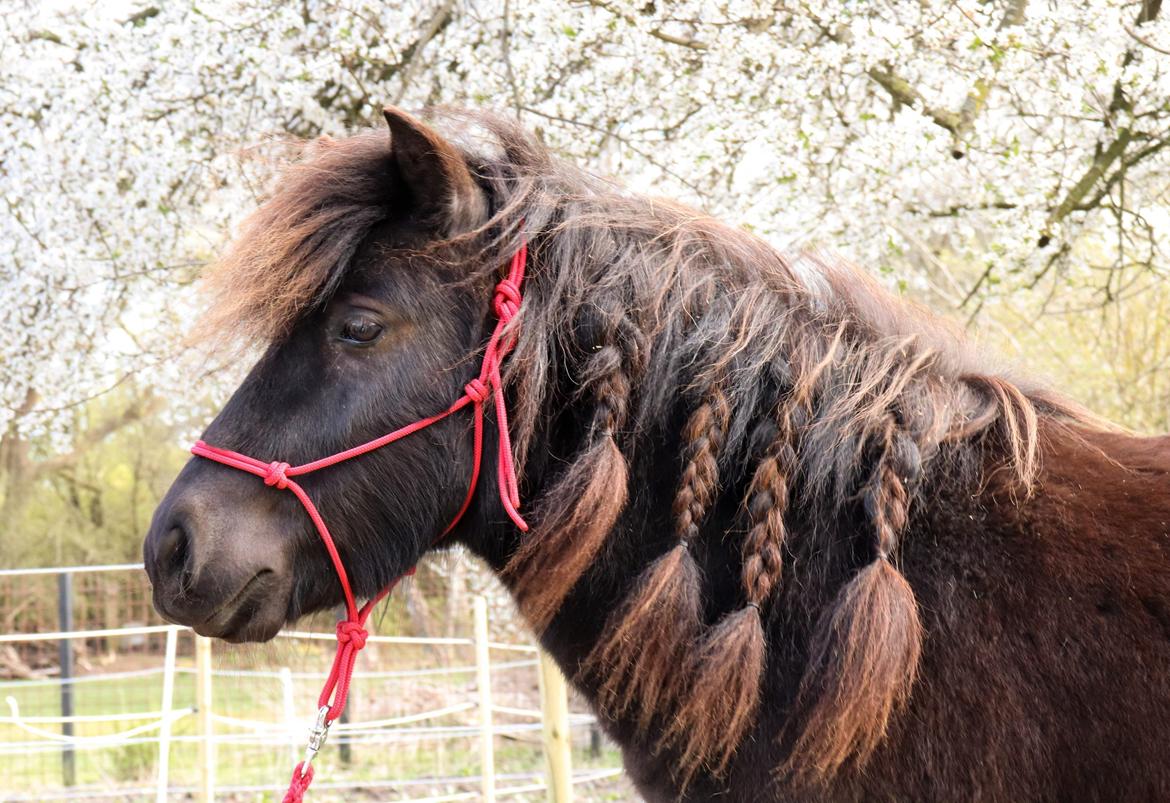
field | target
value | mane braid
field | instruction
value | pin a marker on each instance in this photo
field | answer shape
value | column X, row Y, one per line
column 647, row 638
column 577, row 514
column 865, row 651
column 726, row 669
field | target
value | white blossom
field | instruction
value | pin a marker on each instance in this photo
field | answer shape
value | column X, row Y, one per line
column 133, row 138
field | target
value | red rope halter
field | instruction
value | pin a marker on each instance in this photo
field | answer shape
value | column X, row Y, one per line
column 351, row 632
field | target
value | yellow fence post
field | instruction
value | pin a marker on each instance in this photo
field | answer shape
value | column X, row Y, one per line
column 483, row 678
column 168, row 705
column 206, row 727
column 554, row 707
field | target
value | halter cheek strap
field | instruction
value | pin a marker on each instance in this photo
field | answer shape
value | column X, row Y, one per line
column 351, row 632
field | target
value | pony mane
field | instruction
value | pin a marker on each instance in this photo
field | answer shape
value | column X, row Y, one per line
column 293, row 251
column 802, row 383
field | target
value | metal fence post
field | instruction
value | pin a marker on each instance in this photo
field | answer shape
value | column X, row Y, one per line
column 483, row 678
column 206, row 727
column 65, row 656
column 554, row 708
column 168, row 704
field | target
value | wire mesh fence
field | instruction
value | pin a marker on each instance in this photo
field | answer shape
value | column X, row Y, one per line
column 104, row 701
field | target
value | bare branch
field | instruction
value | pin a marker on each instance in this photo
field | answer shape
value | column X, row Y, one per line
column 903, row 92
column 141, row 16
column 92, row 437
column 1097, row 170
column 693, row 44
column 506, row 48
column 436, row 24
column 1127, row 162
column 624, row 141
column 1133, row 34
column 977, row 98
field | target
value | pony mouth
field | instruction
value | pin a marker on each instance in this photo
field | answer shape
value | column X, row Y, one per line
column 254, row 613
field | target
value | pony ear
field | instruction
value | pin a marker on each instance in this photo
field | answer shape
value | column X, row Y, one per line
column 436, row 175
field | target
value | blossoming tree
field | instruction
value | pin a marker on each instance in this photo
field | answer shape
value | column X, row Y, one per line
column 1024, row 141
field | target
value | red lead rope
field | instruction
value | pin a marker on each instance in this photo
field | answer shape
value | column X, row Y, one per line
column 351, row 632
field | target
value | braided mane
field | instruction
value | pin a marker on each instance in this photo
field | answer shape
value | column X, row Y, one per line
column 803, row 383
column 807, row 395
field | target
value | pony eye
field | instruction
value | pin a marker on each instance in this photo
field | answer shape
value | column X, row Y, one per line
column 360, row 330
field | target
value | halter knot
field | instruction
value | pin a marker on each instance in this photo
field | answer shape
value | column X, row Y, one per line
column 506, row 300
column 275, row 475
column 351, row 633
column 476, row 390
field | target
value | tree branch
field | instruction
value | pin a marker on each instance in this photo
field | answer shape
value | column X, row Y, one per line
column 693, row 44
column 439, row 21
column 1126, row 163
column 141, row 16
column 657, row 33
column 1133, row 34
column 92, row 437
column 903, row 92
column 1116, row 149
column 1101, row 164
column 898, row 88
column 977, row 98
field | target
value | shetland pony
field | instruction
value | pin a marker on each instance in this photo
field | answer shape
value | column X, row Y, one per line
column 789, row 536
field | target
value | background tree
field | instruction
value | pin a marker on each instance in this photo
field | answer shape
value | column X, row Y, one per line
column 1002, row 159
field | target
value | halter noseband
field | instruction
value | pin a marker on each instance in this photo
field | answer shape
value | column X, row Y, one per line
column 351, row 632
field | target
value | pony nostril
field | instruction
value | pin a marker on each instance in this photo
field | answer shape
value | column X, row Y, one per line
column 173, row 551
